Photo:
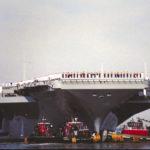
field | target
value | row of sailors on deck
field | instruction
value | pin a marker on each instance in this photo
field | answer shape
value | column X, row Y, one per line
column 104, row 75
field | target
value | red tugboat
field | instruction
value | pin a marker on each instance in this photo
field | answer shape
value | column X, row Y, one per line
column 43, row 132
column 136, row 128
column 77, row 130
column 43, row 128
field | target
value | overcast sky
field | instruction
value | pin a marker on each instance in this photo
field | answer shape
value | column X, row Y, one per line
column 39, row 37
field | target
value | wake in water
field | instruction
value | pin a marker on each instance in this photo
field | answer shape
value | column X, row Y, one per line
column 97, row 123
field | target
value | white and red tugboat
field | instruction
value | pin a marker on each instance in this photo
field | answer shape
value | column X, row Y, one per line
column 76, row 129
column 136, row 128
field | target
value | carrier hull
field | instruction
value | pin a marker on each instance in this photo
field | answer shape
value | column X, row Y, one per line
column 108, row 106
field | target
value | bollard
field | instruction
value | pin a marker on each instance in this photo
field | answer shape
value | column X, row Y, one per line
column 97, row 138
column 74, row 140
column 94, row 139
column 135, row 138
column 120, row 138
column 25, row 140
column 114, row 137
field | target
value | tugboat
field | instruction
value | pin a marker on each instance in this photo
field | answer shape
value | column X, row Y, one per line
column 43, row 128
column 43, row 132
column 136, row 128
column 76, row 131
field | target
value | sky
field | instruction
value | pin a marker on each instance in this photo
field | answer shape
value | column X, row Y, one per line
column 40, row 37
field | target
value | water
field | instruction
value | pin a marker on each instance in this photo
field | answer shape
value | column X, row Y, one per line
column 60, row 146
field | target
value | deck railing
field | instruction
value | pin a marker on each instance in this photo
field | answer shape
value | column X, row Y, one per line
column 77, row 77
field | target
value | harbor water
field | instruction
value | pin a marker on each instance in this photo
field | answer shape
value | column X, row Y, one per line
column 60, row 146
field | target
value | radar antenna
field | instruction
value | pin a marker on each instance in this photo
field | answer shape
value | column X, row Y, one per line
column 145, row 71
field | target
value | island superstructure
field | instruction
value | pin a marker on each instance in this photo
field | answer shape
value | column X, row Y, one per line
column 109, row 97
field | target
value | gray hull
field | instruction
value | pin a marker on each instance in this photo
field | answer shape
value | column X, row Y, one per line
column 109, row 107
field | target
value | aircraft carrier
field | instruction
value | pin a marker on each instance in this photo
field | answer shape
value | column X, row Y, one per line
column 106, row 98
